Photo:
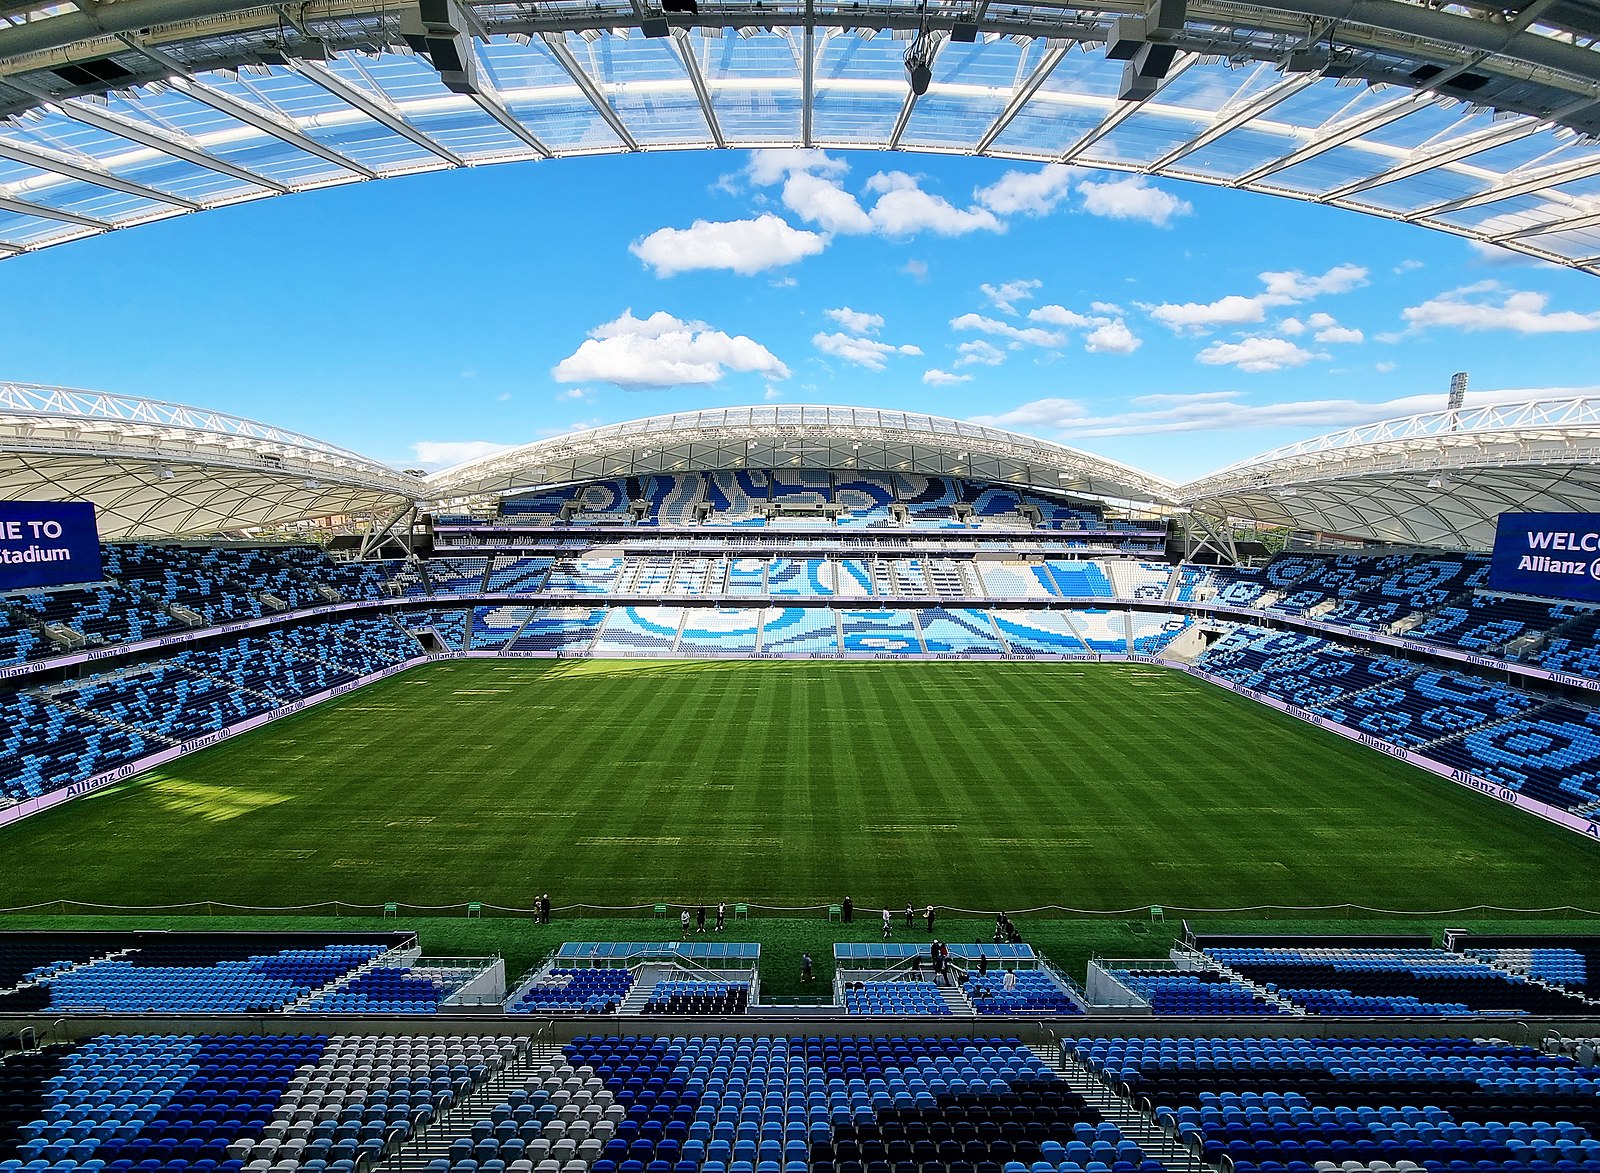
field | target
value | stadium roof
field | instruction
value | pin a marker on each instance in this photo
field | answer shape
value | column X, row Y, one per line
column 786, row 436
column 1437, row 479
column 1466, row 116
column 157, row 469
column 160, row 469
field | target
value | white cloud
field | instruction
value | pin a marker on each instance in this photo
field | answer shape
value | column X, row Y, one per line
column 1292, row 286
column 436, row 454
column 938, row 378
column 822, row 201
column 1337, row 334
column 1406, row 266
column 1112, row 338
column 744, row 246
column 772, row 393
column 1383, row 368
column 574, row 393
column 979, row 353
column 1131, row 198
column 1487, row 306
column 1255, row 354
column 1005, row 295
column 1281, row 288
column 1225, row 411
column 662, row 351
column 1027, row 193
column 864, row 352
column 1292, row 327
column 915, row 269
column 999, row 329
column 771, row 166
column 854, row 321
column 1055, row 315
column 904, row 209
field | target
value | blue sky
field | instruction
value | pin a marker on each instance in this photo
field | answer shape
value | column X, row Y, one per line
column 1176, row 327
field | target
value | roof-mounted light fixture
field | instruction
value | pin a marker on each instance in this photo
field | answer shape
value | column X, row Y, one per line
column 919, row 58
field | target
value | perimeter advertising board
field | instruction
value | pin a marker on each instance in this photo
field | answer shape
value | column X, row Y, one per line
column 44, row 543
column 1551, row 554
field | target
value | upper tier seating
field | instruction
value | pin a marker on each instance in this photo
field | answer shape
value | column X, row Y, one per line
column 179, row 1102
column 586, row 991
column 1198, row 993
column 907, row 996
column 737, row 498
column 1362, row 1103
column 1391, row 981
column 1034, row 993
column 806, row 498
column 698, row 997
column 202, row 973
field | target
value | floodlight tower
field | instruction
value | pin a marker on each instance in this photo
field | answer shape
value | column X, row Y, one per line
column 1458, row 397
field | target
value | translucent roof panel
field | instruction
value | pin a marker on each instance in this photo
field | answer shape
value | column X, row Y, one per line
column 236, row 104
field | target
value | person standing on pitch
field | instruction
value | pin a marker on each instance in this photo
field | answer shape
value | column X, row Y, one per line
column 683, row 925
column 911, row 915
column 805, row 967
column 929, row 916
column 888, row 925
column 849, row 910
column 722, row 915
column 700, row 919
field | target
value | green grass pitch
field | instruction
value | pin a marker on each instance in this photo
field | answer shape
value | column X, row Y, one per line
column 972, row 785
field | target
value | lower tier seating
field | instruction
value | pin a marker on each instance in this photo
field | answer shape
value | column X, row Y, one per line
column 1298, row 1105
column 224, row 1103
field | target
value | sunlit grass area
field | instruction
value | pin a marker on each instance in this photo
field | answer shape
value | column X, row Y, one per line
column 981, row 786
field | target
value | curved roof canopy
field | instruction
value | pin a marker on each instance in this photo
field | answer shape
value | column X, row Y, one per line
column 157, row 469
column 1437, row 479
column 797, row 437
column 1468, row 116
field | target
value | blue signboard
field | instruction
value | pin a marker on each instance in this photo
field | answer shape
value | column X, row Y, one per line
column 43, row 543
column 1551, row 554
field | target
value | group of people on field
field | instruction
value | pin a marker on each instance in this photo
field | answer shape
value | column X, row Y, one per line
column 700, row 920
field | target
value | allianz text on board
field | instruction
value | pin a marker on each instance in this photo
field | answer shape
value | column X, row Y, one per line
column 1550, row 554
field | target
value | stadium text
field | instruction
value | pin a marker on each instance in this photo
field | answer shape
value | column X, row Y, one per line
column 45, row 543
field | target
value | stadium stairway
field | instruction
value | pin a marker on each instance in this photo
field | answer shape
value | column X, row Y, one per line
column 395, row 958
column 1144, row 1132
column 1206, row 961
column 956, row 998
column 456, row 1122
column 645, row 980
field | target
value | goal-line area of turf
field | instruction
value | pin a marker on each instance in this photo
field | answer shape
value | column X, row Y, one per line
column 784, row 784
